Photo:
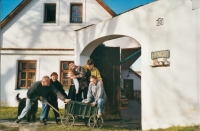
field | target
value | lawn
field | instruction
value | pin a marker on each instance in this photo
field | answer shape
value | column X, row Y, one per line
column 10, row 113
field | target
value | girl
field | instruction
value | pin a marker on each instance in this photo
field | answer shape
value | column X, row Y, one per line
column 74, row 87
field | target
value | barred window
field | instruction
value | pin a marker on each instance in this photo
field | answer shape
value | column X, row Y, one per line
column 64, row 80
column 76, row 13
column 26, row 73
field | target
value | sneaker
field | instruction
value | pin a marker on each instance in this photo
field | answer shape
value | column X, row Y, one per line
column 17, row 121
column 99, row 115
column 43, row 121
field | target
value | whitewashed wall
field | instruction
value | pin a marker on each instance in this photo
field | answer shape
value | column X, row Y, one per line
column 170, row 95
column 27, row 30
column 46, row 64
column 123, row 42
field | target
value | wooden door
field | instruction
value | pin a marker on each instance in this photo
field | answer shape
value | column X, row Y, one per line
column 107, row 60
column 128, row 88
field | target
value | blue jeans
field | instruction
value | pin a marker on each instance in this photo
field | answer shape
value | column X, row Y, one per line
column 100, row 104
column 28, row 107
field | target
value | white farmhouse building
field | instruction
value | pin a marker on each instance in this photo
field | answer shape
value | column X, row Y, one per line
column 40, row 39
column 34, row 44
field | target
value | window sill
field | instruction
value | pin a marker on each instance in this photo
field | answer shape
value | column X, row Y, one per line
column 75, row 24
column 20, row 90
column 49, row 24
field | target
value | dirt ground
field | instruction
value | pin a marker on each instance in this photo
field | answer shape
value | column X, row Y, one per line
column 130, row 118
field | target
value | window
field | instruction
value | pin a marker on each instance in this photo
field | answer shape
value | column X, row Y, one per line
column 76, row 13
column 64, row 80
column 50, row 13
column 26, row 73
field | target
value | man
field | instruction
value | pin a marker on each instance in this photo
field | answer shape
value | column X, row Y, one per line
column 52, row 99
column 39, row 91
column 96, row 94
column 91, row 70
column 79, row 73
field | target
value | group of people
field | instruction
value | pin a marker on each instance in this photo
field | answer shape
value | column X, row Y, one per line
column 86, row 86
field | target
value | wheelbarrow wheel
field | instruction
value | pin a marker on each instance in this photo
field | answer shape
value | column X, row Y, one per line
column 68, row 120
column 95, row 122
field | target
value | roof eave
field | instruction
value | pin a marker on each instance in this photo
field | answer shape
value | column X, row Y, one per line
column 14, row 13
column 108, row 9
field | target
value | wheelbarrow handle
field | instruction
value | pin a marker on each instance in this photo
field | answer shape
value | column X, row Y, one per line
column 51, row 106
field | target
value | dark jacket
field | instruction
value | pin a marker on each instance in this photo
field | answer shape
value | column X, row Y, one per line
column 59, row 87
column 36, row 90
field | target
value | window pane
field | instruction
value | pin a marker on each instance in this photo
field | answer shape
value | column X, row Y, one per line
column 23, row 66
column 74, row 19
column 23, row 75
column 22, row 83
column 65, row 84
column 79, row 19
column 79, row 7
column 31, row 75
column 32, row 66
column 79, row 14
column 30, row 82
column 73, row 8
column 73, row 14
column 65, row 66
column 64, row 76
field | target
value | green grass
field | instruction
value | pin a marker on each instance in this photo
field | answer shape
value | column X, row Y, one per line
column 55, row 127
column 10, row 113
column 179, row 128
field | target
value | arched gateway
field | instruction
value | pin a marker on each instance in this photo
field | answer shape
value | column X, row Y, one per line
column 169, row 93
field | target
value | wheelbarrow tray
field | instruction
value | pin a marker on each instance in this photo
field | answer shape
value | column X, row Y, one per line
column 80, row 109
column 75, row 109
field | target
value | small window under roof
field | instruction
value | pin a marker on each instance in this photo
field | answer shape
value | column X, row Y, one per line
column 50, row 13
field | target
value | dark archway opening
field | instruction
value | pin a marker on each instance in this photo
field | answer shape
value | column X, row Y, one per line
column 110, row 62
column 107, row 60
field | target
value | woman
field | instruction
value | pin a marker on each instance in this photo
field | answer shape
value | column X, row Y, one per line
column 52, row 98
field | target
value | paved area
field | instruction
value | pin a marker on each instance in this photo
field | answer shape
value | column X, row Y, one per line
column 130, row 118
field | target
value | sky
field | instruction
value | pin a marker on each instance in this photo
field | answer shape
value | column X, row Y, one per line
column 7, row 6
column 118, row 6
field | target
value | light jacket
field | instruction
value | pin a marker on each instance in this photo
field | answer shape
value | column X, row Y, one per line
column 94, row 72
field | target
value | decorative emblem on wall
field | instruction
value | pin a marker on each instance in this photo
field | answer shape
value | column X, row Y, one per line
column 160, row 58
column 160, row 21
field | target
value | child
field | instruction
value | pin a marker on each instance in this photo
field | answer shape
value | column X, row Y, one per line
column 74, row 87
